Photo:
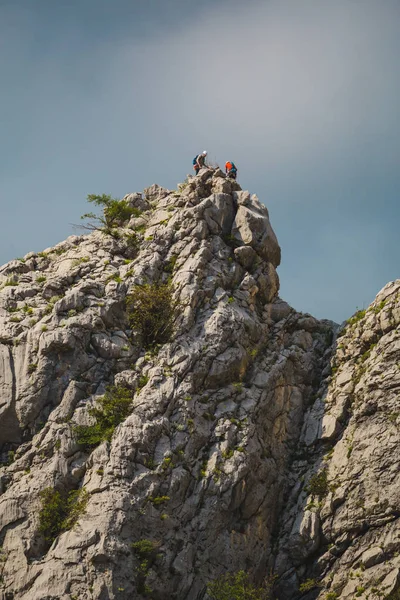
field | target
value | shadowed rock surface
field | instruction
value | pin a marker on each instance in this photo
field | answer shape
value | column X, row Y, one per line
column 255, row 440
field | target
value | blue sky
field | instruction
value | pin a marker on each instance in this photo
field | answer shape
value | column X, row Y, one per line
column 100, row 96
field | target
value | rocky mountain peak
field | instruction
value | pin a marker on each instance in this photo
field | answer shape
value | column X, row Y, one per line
column 165, row 418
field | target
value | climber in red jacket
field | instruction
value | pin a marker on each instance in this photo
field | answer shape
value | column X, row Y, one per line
column 230, row 169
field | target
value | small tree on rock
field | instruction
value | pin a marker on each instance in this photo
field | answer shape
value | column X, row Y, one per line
column 152, row 311
column 115, row 213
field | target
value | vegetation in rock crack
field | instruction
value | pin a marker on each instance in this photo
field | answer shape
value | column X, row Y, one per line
column 377, row 309
column 360, row 314
column 142, row 381
column 115, row 213
column 110, row 410
column 152, row 311
column 60, row 512
column 131, row 240
column 145, row 548
column 236, row 586
column 146, row 551
column 308, row 585
column 170, row 264
column 318, row 484
column 159, row 500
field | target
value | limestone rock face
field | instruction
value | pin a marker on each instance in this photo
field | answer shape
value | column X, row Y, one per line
column 229, row 420
column 346, row 476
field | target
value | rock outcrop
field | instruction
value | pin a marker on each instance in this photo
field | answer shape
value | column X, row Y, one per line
column 254, row 441
column 345, row 536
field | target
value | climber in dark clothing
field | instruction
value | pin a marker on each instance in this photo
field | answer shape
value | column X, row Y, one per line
column 230, row 169
column 199, row 161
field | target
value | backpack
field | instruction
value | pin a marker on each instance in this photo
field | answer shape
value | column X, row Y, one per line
column 195, row 159
column 230, row 166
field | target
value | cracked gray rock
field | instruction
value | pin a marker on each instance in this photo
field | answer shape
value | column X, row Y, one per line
column 229, row 419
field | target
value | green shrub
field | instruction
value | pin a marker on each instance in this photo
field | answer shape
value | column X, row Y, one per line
column 159, row 500
column 318, row 484
column 76, row 505
column 115, row 213
column 52, row 513
column 167, row 463
column 235, row 586
column 110, row 410
column 59, row 512
column 32, row 368
column 145, row 548
column 152, row 311
column 146, row 552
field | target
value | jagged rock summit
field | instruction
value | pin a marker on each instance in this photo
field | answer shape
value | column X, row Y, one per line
column 241, row 447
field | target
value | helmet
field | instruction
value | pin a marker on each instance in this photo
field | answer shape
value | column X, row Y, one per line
column 204, row 152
